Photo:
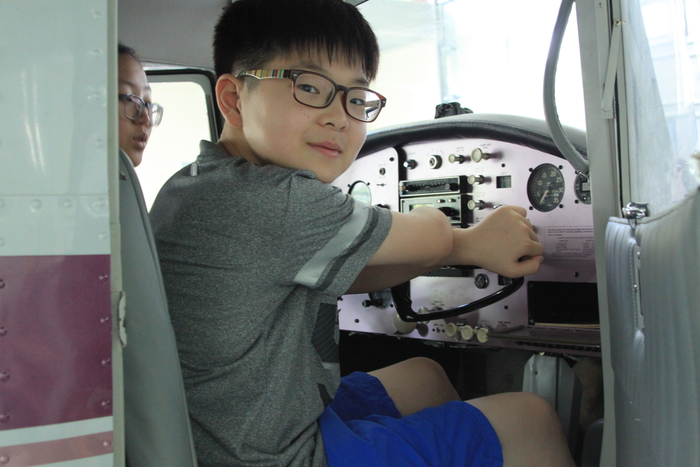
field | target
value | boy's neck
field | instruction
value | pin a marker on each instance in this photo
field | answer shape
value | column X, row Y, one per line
column 235, row 144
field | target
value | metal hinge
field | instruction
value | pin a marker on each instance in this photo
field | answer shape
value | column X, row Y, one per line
column 611, row 73
column 635, row 211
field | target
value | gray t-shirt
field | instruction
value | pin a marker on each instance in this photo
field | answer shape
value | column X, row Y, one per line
column 253, row 260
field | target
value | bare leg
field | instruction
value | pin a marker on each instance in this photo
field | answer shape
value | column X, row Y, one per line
column 415, row 384
column 528, row 428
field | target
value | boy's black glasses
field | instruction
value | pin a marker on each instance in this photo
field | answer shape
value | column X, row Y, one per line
column 134, row 107
column 318, row 91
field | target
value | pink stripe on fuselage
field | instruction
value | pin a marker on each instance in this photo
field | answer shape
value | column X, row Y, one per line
column 55, row 339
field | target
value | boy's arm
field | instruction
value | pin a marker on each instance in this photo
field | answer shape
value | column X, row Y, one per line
column 504, row 243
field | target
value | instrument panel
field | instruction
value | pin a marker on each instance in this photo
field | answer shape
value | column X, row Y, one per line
column 467, row 178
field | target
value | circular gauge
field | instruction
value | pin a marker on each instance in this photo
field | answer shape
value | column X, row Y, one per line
column 361, row 192
column 582, row 188
column 545, row 187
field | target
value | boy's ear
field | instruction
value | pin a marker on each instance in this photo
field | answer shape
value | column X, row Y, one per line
column 228, row 93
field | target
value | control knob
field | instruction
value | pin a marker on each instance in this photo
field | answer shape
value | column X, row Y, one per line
column 456, row 158
column 476, row 179
column 478, row 204
column 410, row 164
column 478, row 155
column 435, row 162
column 467, row 332
column 451, row 329
column 402, row 327
column 482, row 334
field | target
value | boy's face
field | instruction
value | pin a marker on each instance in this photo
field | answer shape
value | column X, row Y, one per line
column 281, row 131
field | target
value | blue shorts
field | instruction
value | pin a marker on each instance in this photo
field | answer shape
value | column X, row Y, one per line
column 362, row 427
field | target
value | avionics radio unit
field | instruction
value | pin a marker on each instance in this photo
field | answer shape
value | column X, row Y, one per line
column 446, row 194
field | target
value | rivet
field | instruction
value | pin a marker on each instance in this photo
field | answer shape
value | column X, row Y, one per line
column 4, row 417
column 2, row 284
column 67, row 203
column 94, row 95
column 104, row 277
column 97, row 14
column 4, row 376
column 106, row 361
column 106, row 404
column 99, row 143
column 107, row 444
column 36, row 204
column 3, row 331
column 104, row 320
column 102, row 237
column 95, row 52
column 4, row 459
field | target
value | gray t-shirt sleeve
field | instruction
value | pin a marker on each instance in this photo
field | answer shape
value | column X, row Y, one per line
column 328, row 236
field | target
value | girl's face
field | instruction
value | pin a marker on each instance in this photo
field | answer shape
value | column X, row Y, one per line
column 133, row 135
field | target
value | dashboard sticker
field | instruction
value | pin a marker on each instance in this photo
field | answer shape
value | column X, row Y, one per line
column 569, row 244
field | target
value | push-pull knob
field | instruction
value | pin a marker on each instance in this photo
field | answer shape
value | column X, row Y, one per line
column 475, row 204
column 457, row 158
column 476, row 179
column 478, row 155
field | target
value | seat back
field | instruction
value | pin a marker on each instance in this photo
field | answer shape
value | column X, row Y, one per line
column 157, row 426
column 654, row 301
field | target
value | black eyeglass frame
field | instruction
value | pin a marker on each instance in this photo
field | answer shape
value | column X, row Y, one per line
column 150, row 107
column 294, row 74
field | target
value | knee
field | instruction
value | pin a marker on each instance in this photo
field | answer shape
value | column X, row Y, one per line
column 539, row 410
column 427, row 367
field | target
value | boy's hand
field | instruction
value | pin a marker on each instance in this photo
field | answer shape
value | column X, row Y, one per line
column 504, row 242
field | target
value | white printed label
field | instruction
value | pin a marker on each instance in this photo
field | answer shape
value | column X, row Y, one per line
column 569, row 244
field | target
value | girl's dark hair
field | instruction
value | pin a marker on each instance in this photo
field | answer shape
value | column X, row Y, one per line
column 251, row 32
column 124, row 50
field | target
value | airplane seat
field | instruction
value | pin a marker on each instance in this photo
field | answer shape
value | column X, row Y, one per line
column 157, row 423
column 592, row 444
column 653, row 296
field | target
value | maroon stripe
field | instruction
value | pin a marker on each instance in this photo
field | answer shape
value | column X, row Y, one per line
column 61, row 450
column 55, row 339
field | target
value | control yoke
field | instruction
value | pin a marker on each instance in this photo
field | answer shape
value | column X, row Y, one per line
column 402, row 302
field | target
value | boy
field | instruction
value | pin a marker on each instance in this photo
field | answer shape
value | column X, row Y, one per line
column 256, row 246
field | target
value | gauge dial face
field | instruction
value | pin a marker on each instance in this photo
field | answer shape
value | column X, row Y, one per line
column 361, row 192
column 545, row 187
column 582, row 189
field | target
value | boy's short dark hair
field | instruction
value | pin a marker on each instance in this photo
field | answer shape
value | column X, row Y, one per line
column 252, row 32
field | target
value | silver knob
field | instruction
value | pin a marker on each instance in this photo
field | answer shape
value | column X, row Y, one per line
column 478, row 155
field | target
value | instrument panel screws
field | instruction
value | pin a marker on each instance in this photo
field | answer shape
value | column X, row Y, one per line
column 4, row 459
column 4, row 417
column 104, row 277
column 106, row 361
column 2, row 284
column 105, row 320
column 106, row 404
column 4, row 376
column 3, row 331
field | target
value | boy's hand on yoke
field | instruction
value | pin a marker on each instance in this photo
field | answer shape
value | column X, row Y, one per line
column 504, row 242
